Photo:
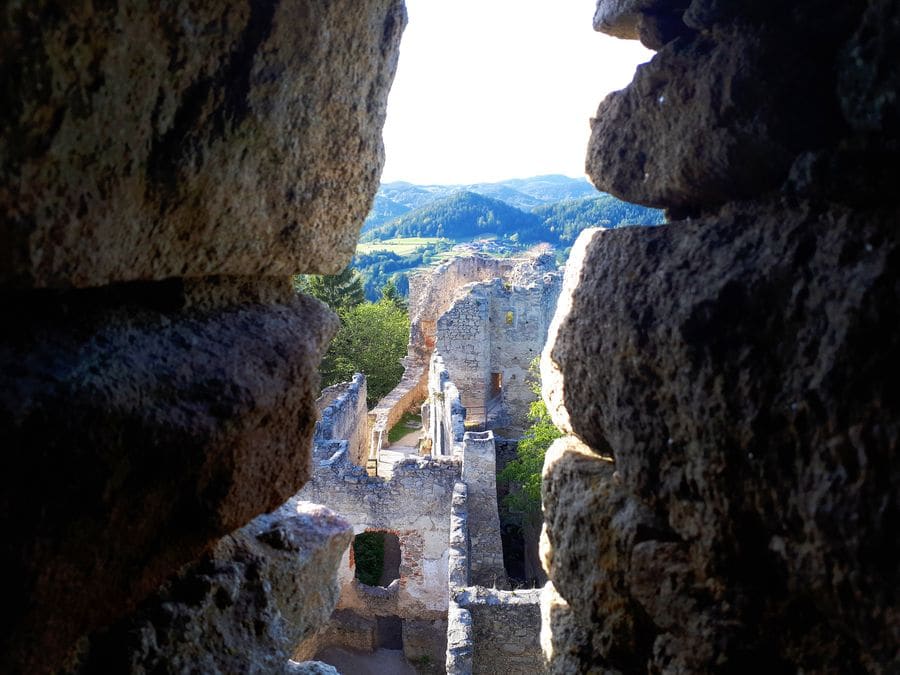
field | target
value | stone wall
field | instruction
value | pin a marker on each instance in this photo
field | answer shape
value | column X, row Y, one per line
column 405, row 397
column 505, row 627
column 490, row 334
column 488, row 630
column 463, row 339
column 432, row 292
column 343, row 416
column 727, row 499
column 479, row 473
column 443, row 415
column 415, row 506
column 163, row 172
column 521, row 311
column 244, row 607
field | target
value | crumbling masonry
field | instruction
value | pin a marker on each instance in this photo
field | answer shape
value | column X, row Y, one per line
column 728, row 494
column 421, row 497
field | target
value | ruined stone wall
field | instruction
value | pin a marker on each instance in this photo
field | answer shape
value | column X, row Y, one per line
column 463, row 340
column 727, row 380
column 479, row 473
column 492, row 332
column 163, row 172
column 444, row 415
column 407, row 396
column 488, row 630
column 431, row 295
column 415, row 505
column 432, row 292
column 520, row 316
column 343, row 416
column 505, row 627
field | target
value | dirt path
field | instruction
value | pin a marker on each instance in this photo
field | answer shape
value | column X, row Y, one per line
column 380, row 662
column 409, row 440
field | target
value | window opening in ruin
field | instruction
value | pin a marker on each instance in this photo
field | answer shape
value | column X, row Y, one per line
column 376, row 556
column 510, row 317
column 496, row 384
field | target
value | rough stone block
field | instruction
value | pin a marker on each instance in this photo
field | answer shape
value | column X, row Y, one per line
column 144, row 142
column 868, row 77
column 566, row 644
column 740, row 370
column 591, row 525
column 620, row 18
column 425, row 644
column 141, row 422
column 653, row 22
column 243, row 608
column 719, row 115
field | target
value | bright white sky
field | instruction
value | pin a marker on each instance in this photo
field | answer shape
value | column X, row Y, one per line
column 493, row 89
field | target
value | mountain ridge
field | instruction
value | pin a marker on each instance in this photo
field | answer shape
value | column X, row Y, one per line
column 551, row 208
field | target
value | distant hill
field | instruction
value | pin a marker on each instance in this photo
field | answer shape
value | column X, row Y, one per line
column 460, row 216
column 518, row 213
column 552, row 188
column 397, row 198
column 540, row 209
column 383, row 210
column 562, row 221
column 504, row 193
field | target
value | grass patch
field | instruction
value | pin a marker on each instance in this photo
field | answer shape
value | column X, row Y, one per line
column 368, row 553
column 409, row 422
column 401, row 246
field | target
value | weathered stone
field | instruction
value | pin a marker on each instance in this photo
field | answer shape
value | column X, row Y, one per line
column 479, row 473
column 504, row 628
column 718, row 116
column 620, row 18
column 242, row 609
column 343, row 415
column 867, row 74
column 148, row 142
column 141, row 422
column 567, row 644
column 310, row 668
column 345, row 629
column 460, row 646
column 743, row 381
column 591, row 527
column 489, row 332
column 425, row 644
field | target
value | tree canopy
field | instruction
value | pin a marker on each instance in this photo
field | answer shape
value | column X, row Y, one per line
column 390, row 293
column 372, row 340
column 338, row 291
column 373, row 335
column 525, row 469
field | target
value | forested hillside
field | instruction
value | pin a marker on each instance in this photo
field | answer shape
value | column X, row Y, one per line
column 515, row 214
column 562, row 221
column 464, row 215
column 461, row 216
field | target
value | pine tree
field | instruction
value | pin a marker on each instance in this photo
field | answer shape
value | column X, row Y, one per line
column 341, row 291
column 390, row 293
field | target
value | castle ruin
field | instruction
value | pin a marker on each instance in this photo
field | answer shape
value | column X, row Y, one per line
column 726, row 497
column 441, row 506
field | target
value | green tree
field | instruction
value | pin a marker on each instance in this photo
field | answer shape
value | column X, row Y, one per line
column 389, row 293
column 523, row 503
column 372, row 340
column 338, row 291
column 368, row 554
column 525, row 469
